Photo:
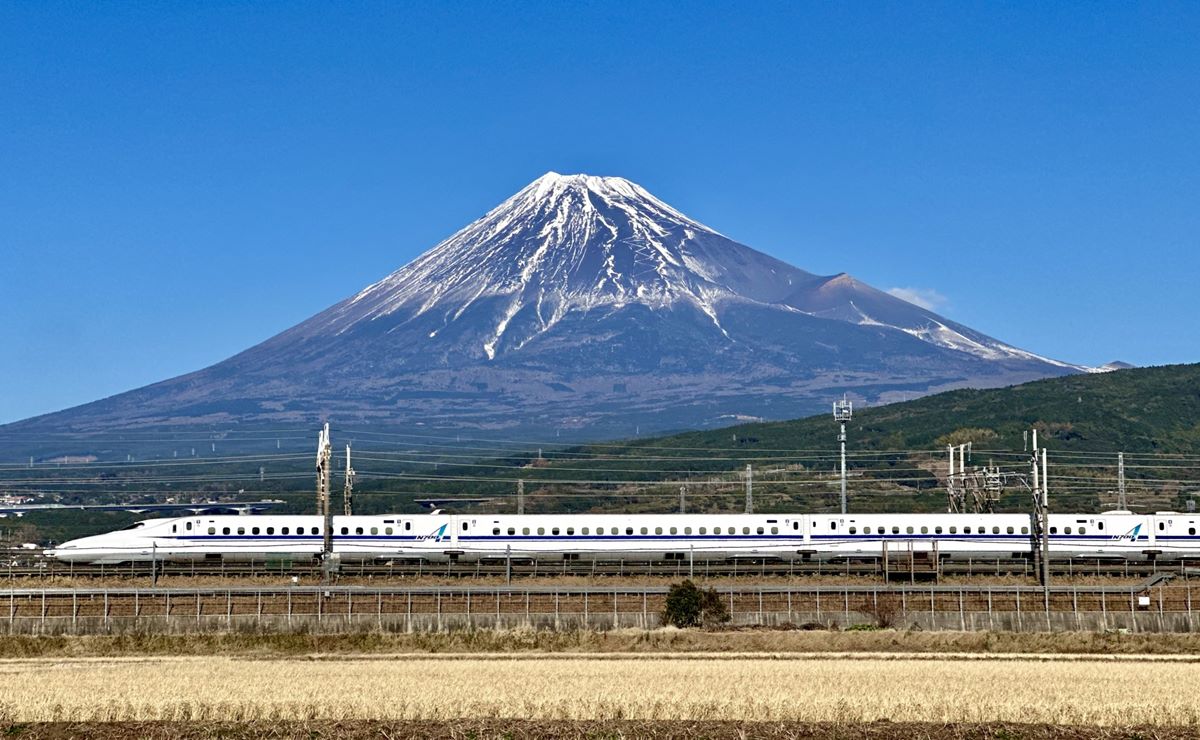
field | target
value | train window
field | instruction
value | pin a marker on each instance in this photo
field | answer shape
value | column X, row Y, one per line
column 358, row 530
column 645, row 531
column 524, row 530
column 704, row 530
column 407, row 526
column 658, row 530
column 1066, row 530
column 1054, row 530
column 895, row 530
column 541, row 530
column 795, row 525
column 585, row 530
column 995, row 530
column 1191, row 530
column 212, row 530
column 675, row 530
column 716, row 530
column 833, row 525
column 908, row 530
column 1083, row 530
column 1024, row 530
column 853, row 530
column 389, row 530
column 774, row 530
column 224, row 530
column 924, row 530
column 745, row 530
column 464, row 526
column 570, row 531
column 241, row 530
column 953, row 530
column 270, row 530
column 629, row 530
column 866, row 530
column 188, row 526
column 512, row 531
column 345, row 530
column 253, row 530
column 1100, row 526
column 173, row 526
column 760, row 530
column 967, row 530
column 374, row 530
column 316, row 531
column 1161, row 526
column 1010, row 530
column 554, row 531
column 284, row 530
column 937, row 530
column 686, row 530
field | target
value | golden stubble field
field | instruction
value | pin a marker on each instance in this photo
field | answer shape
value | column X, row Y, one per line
column 597, row 687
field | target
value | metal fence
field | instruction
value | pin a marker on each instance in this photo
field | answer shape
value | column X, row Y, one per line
column 1159, row 604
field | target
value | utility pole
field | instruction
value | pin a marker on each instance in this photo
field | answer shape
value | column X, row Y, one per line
column 682, row 499
column 1121, row 481
column 520, row 497
column 843, row 410
column 749, row 489
column 1046, row 529
column 324, row 507
column 348, row 491
column 951, row 499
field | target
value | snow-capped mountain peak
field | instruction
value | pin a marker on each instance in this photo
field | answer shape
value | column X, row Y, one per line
column 583, row 243
column 563, row 243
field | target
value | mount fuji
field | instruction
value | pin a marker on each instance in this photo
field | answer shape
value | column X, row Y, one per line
column 587, row 307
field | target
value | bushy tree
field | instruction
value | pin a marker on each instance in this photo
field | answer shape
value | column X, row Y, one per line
column 688, row 605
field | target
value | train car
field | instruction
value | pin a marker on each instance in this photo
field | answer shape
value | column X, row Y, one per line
column 440, row 537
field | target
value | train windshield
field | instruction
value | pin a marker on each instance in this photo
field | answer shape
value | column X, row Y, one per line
column 136, row 525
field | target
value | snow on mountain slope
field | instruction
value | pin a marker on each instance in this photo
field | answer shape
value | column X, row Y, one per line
column 580, row 242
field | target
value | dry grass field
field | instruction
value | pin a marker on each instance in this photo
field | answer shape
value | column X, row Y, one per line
column 266, row 644
column 807, row 689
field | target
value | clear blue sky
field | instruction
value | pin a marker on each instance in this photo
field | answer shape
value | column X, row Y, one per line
column 181, row 181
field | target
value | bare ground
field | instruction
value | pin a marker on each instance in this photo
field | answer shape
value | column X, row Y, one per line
column 512, row 728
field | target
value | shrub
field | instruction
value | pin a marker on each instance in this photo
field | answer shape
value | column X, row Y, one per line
column 690, row 606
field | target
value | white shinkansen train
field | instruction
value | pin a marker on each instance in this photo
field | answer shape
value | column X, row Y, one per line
column 440, row 537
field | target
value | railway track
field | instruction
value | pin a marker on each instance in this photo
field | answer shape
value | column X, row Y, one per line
column 38, row 570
